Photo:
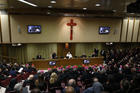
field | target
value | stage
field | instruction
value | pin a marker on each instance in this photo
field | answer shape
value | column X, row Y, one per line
column 43, row 64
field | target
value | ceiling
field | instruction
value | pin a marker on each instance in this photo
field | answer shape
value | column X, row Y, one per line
column 116, row 8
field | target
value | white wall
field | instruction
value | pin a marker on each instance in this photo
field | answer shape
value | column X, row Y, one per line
column 54, row 29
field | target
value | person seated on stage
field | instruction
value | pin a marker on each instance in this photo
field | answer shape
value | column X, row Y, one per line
column 83, row 55
column 69, row 55
column 54, row 56
column 38, row 57
column 96, row 52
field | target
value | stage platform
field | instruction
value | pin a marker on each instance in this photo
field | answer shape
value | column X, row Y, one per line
column 43, row 64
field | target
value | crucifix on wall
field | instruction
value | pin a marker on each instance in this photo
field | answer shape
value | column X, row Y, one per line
column 71, row 24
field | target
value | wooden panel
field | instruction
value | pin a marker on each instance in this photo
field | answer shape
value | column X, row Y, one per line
column 135, row 34
column 5, row 28
column 4, row 50
column 133, row 29
column 44, row 64
column 9, row 28
column 130, row 28
column 62, row 51
column 0, row 31
column 124, row 28
column 121, row 30
column 138, row 36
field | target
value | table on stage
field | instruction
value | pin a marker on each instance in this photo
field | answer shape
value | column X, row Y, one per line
column 44, row 63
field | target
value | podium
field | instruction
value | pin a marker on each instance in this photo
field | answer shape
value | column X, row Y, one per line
column 44, row 64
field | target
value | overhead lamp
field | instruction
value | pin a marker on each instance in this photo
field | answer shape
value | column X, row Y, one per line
column 53, row 1
column 84, row 8
column 19, row 44
column 26, row 2
column 132, row 13
column 16, row 44
column 97, row 5
column 49, row 6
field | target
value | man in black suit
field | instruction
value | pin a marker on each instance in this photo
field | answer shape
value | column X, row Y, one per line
column 96, row 52
column 38, row 57
column 54, row 56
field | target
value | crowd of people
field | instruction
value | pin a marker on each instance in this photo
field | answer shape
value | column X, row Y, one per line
column 119, row 74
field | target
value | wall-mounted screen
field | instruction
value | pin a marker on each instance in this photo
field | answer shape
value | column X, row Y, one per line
column 85, row 61
column 52, row 63
column 104, row 30
column 34, row 29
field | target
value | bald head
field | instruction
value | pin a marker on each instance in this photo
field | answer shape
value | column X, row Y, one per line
column 95, row 79
column 72, row 82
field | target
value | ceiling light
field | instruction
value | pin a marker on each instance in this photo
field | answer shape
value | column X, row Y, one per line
column 19, row 44
column 26, row 2
column 84, row 8
column 53, row 1
column 111, row 43
column 132, row 13
column 49, row 6
column 98, row 5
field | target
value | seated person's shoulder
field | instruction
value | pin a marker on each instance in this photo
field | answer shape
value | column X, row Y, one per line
column 88, row 90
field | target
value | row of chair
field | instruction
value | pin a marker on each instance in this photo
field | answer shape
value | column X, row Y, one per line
column 19, row 77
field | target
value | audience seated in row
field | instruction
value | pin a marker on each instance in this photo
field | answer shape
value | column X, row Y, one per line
column 119, row 74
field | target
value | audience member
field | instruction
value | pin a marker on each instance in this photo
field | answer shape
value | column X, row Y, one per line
column 70, row 89
column 54, row 56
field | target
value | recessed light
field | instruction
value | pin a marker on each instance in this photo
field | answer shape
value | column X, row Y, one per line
column 84, row 8
column 49, row 6
column 53, row 1
column 111, row 43
column 98, row 5
column 19, row 44
column 26, row 2
column 132, row 13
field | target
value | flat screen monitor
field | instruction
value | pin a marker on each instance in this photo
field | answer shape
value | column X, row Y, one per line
column 85, row 61
column 104, row 30
column 34, row 29
column 52, row 63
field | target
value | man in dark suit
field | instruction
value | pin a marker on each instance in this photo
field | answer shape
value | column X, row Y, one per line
column 96, row 52
column 97, row 87
column 38, row 57
column 54, row 56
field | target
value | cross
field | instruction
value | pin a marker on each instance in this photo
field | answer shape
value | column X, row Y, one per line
column 71, row 24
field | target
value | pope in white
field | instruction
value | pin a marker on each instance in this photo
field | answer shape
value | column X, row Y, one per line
column 69, row 55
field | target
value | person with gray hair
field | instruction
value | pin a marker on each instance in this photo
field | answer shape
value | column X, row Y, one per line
column 72, row 83
column 97, row 87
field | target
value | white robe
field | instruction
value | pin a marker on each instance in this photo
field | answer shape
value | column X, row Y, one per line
column 69, row 55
